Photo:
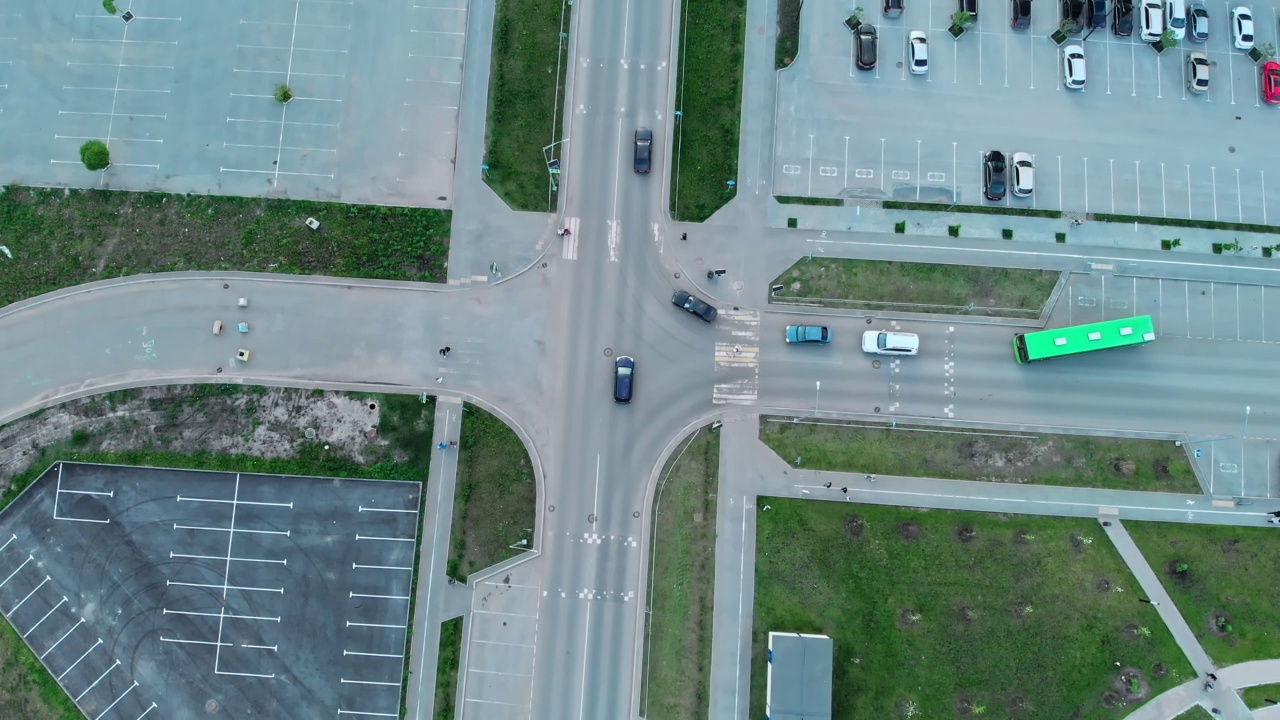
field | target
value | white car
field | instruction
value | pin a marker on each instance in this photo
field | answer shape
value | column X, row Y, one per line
column 882, row 342
column 1024, row 174
column 918, row 52
column 1150, row 21
column 1073, row 66
column 1198, row 72
column 1242, row 27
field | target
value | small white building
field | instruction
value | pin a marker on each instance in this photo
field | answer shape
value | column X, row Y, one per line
column 799, row 680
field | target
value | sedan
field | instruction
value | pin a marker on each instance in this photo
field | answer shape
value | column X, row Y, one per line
column 808, row 334
column 1073, row 74
column 867, row 43
column 1071, row 12
column 918, row 50
column 644, row 143
column 1198, row 23
column 1271, row 81
column 1197, row 72
column 1242, row 27
column 624, row 373
column 1021, row 15
column 1151, row 21
column 693, row 305
column 993, row 175
column 1024, row 174
column 1122, row 21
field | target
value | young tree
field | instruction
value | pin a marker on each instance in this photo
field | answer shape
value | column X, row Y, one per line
column 283, row 93
column 95, row 156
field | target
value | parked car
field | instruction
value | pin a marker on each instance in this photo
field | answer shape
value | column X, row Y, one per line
column 1242, row 27
column 868, row 43
column 1071, row 12
column 1197, row 72
column 1198, row 22
column 994, row 174
column 1122, row 19
column 918, row 52
column 1150, row 21
column 1024, row 174
column 1020, row 15
column 1175, row 17
column 969, row 6
column 624, row 374
column 1097, row 13
column 693, row 305
column 807, row 334
column 1073, row 74
column 881, row 342
column 644, row 144
column 892, row 8
column 1271, row 81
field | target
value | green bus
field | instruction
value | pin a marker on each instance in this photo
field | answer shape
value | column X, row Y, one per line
column 1105, row 335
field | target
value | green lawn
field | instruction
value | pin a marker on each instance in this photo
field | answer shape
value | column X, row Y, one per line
column 447, row 669
column 709, row 98
column 918, row 287
column 938, row 614
column 1261, row 696
column 787, row 45
column 1196, row 712
column 526, row 99
column 1041, row 459
column 682, row 582
column 1225, row 590
column 63, row 238
column 495, row 501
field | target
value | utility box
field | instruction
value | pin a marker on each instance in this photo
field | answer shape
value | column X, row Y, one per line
column 313, row 223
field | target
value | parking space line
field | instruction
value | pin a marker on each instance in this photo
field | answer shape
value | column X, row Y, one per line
column 810, row 173
column 224, row 586
column 881, row 164
column 1159, row 89
column 61, row 602
column 1262, row 177
column 1188, row 167
column 15, row 572
column 1213, row 311
column 77, row 662
column 79, row 622
column 1060, row 182
column 846, row 161
column 1111, row 164
column 95, row 682
column 233, row 616
column 955, row 193
column 1238, row 312
column 1186, row 301
column 1239, row 198
column 28, row 597
column 1137, row 182
column 1133, row 69
column 345, row 681
column 113, row 702
column 389, row 539
column 1164, row 197
column 917, row 170
column 1086, row 186
column 1213, row 175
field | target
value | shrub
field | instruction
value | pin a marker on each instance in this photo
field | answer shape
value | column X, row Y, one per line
column 110, row 7
column 900, row 226
column 1060, row 237
column 283, row 93
column 791, row 223
column 1007, row 233
column 953, row 230
column 1217, row 248
column 94, row 155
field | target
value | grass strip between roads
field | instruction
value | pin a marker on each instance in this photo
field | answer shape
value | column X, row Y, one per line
column 941, row 614
column 709, row 102
column 447, row 669
column 494, row 503
column 63, row 238
column 1195, row 712
column 1186, row 223
column 787, row 46
column 1037, row 459
column 526, row 97
column 972, row 209
column 682, row 583
column 1223, row 580
column 916, row 287
column 1261, row 696
column 802, row 200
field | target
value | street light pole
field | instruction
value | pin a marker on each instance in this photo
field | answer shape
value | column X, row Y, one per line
column 817, row 387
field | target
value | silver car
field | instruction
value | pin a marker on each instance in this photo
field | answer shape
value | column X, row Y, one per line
column 1024, row 174
column 1197, row 72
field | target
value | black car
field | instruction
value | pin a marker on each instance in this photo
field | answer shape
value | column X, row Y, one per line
column 691, row 304
column 1122, row 20
column 867, row 46
column 1071, row 12
column 624, row 374
column 1021, row 14
column 644, row 144
column 994, row 175
column 1097, row 13
column 969, row 6
column 892, row 8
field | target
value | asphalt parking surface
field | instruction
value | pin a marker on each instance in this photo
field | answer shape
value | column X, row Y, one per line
column 182, row 95
column 192, row 594
column 1133, row 141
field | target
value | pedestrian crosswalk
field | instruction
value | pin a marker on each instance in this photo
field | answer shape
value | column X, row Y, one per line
column 569, row 240
column 737, row 358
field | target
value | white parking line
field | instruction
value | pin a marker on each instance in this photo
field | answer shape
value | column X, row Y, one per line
column 1262, row 175
column 1137, row 182
column 954, row 191
column 1164, row 198
column 1133, row 69
column 1112, row 165
column 1213, row 175
column 918, row 177
column 1086, row 186
column 881, row 164
column 1060, row 182
column 846, row 161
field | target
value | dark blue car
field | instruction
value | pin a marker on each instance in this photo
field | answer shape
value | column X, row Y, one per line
column 624, row 375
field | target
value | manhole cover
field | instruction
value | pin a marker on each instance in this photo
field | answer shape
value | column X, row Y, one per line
column 211, row 706
column 310, row 433
column 608, row 352
column 875, row 364
column 591, row 518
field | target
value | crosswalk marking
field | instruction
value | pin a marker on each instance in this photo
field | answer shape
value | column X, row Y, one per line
column 738, row 358
column 569, row 242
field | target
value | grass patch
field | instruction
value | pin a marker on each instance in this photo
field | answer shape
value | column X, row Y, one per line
column 493, row 507
column 682, row 581
column 1195, row 712
column 792, row 223
column 1212, row 574
column 447, row 668
column 1187, row 222
column 64, row 238
column 1060, row 237
column 1007, row 233
column 921, row 287
column 110, row 6
column 1261, row 696
column 709, row 99
column 802, row 200
column 974, row 209
column 939, row 614
column 953, row 230
column 1069, row 460
column 526, row 95
column 900, row 227
column 788, row 44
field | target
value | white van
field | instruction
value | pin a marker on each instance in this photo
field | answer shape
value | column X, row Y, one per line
column 1175, row 17
column 879, row 342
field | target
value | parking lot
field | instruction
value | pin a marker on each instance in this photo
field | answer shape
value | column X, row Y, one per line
column 190, row 594
column 182, row 93
column 1132, row 141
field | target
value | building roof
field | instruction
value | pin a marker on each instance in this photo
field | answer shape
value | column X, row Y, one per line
column 799, row 684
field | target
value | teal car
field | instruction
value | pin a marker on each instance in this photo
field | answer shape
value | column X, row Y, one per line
column 808, row 334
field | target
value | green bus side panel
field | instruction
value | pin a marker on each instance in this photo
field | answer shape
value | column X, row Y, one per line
column 1077, row 339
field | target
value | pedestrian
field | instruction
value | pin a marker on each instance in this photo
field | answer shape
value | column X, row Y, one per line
column 1213, row 677
column 441, row 446
column 844, row 490
column 447, row 350
column 1274, row 513
column 1141, row 599
column 872, row 478
column 828, row 485
column 684, row 236
column 453, row 443
column 442, row 352
column 1274, row 520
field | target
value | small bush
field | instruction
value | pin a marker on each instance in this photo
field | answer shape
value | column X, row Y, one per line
column 283, row 93
column 110, row 7
column 1166, row 245
column 1060, row 237
column 791, row 223
column 1217, row 248
column 1007, row 233
column 1266, row 252
column 900, row 226
column 95, row 156
column 953, row 230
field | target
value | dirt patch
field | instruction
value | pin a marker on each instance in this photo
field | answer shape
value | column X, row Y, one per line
column 1123, row 466
column 965, row 614
column 1111, row 699
column 907, row 617
column 1160, row 468
column 1178, row 570
column 908, row 531
column 1219, row 623
column 1019, row 706
column 1103, row 585
column 1131, row 631
column 1229, row 547
column 962, row 705
column 966, row 534
column 1022, row 537
column 853, row 527
column 1019, row 609
column 1159, row 670
column 1131, row 686
column 1077, row 543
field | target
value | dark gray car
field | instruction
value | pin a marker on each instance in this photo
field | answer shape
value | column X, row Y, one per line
column 995, row 174
column 624, row 376
column 693, row 305
column 644, row 145
column 868, row 43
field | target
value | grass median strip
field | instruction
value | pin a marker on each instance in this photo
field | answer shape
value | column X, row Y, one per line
column 802, row 200
column 916, row 287
column 787, row 46
column 972, row 209
column 1186, row 223
column 708, row 103
column 681, row 583
column 938, row 614
column 447, row 669
column 1261, row 696
column 526, row 96
column 493, row 506
column 1023, row 458
column 63, row 238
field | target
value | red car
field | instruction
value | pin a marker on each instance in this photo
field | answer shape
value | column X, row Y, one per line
column 1271, row 81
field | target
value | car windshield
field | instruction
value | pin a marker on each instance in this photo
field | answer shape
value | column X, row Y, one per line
column 624, row 370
